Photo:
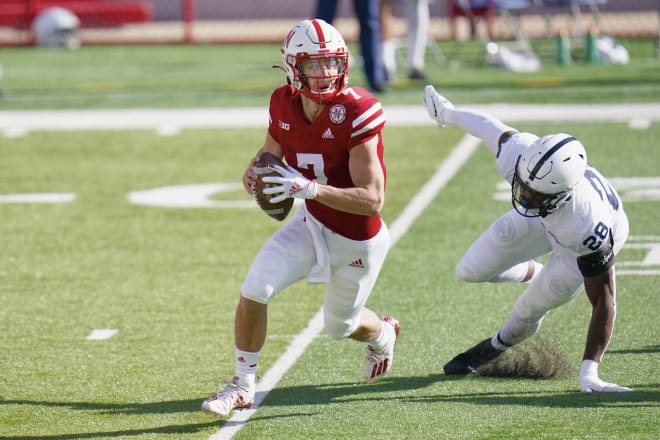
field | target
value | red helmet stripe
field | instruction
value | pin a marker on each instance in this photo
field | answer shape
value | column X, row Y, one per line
column 319, row 33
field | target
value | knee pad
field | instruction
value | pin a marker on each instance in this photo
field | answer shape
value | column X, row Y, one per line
column 561, row 290
column 466, row 272
column 503, row 229
column 480, row 263
column 257, row 291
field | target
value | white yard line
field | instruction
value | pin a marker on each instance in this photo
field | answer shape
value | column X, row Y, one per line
column 167, row 121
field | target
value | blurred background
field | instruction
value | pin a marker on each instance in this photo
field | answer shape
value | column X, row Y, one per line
column 257, row 21
column 219, row 53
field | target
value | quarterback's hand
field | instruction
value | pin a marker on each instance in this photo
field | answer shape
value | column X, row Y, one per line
column 436, row 104
column 290, row 184
column 590, row 382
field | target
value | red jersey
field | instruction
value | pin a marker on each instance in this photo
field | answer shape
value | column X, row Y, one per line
column 319, row 149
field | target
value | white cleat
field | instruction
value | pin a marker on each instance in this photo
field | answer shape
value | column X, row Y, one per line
column 379, row 363
column 232, row 397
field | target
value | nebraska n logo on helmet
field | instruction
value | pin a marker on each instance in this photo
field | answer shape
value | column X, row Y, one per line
column 546, row 173
column 316, row 60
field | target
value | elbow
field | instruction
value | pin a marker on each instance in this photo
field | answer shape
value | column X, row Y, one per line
column 376, row 207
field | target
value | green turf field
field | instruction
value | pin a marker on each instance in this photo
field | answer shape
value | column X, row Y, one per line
column 168, row 278
column 230, row 75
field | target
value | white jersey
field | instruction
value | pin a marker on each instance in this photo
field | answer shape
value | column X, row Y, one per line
column 583, row 224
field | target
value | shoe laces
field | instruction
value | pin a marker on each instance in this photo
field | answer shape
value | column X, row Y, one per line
column 375, row 356
column 231, row 388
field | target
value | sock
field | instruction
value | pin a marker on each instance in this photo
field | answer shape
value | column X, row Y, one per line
column 497, row 343
column 246, row 367
column 515, row 273
column 537, row 271
column 386, row 335
column 389, row 57
column 478, row 124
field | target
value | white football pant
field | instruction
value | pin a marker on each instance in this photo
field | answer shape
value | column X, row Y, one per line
column 502, row 253
column 290, row 255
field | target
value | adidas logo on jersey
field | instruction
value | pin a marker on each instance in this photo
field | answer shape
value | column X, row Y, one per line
column 327, row 134
column 357, row 263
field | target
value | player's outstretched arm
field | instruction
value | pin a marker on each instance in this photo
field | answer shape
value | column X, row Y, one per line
column 436, row 104
column 476, row 123
column 601, row 292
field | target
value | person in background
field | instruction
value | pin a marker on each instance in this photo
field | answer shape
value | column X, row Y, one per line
column 371, row 45
column 418, row 18
column 331, row 137
column 563, row 207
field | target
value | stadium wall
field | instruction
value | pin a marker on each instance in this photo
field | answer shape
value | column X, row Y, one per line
column 261, row 21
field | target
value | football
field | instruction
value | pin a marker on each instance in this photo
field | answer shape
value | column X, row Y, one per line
column 280, row 210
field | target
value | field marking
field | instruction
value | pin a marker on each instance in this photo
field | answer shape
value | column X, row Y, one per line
column 447, row 169
column 101, row 334
column 38, row 198
column 17, row 123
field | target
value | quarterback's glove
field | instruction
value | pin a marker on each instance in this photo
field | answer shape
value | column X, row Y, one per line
column 436, row 104
column 589, row 381
column 290, row 184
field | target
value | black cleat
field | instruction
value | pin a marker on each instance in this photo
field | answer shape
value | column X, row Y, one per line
column 417, row 74
column 472, row 359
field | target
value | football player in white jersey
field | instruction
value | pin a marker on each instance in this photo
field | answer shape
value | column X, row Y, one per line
column 562, row 206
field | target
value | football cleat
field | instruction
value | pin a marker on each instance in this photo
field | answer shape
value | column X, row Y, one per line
column 379, row 363
column 436, row 104
column 232, row 397
column 472, row 359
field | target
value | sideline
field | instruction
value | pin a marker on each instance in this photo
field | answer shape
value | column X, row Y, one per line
column 447, row 169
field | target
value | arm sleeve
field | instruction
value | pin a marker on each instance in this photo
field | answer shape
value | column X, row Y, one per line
column 478, row 124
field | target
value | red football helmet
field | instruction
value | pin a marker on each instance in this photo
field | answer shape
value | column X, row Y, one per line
column 316, row 60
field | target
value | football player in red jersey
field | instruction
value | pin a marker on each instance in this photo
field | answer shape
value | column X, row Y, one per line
column 330, row 136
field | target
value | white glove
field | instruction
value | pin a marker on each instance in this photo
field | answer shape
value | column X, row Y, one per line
column 436, row 104
column 291, row 184
column 590, row 382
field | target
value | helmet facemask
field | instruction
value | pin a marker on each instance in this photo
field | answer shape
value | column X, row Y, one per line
column 546, row 173
column 322, row 76
column 531, row 203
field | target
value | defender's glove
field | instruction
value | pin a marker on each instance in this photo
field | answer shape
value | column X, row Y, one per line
column 436, row 104
column 290, row 184
column 589, row 381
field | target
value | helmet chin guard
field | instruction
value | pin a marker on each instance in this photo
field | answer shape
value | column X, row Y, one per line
column 546, row 173
column 320, row 47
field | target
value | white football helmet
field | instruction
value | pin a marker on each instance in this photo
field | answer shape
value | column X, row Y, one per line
column 56, row 27
column 316, row 60
column 546, row 173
